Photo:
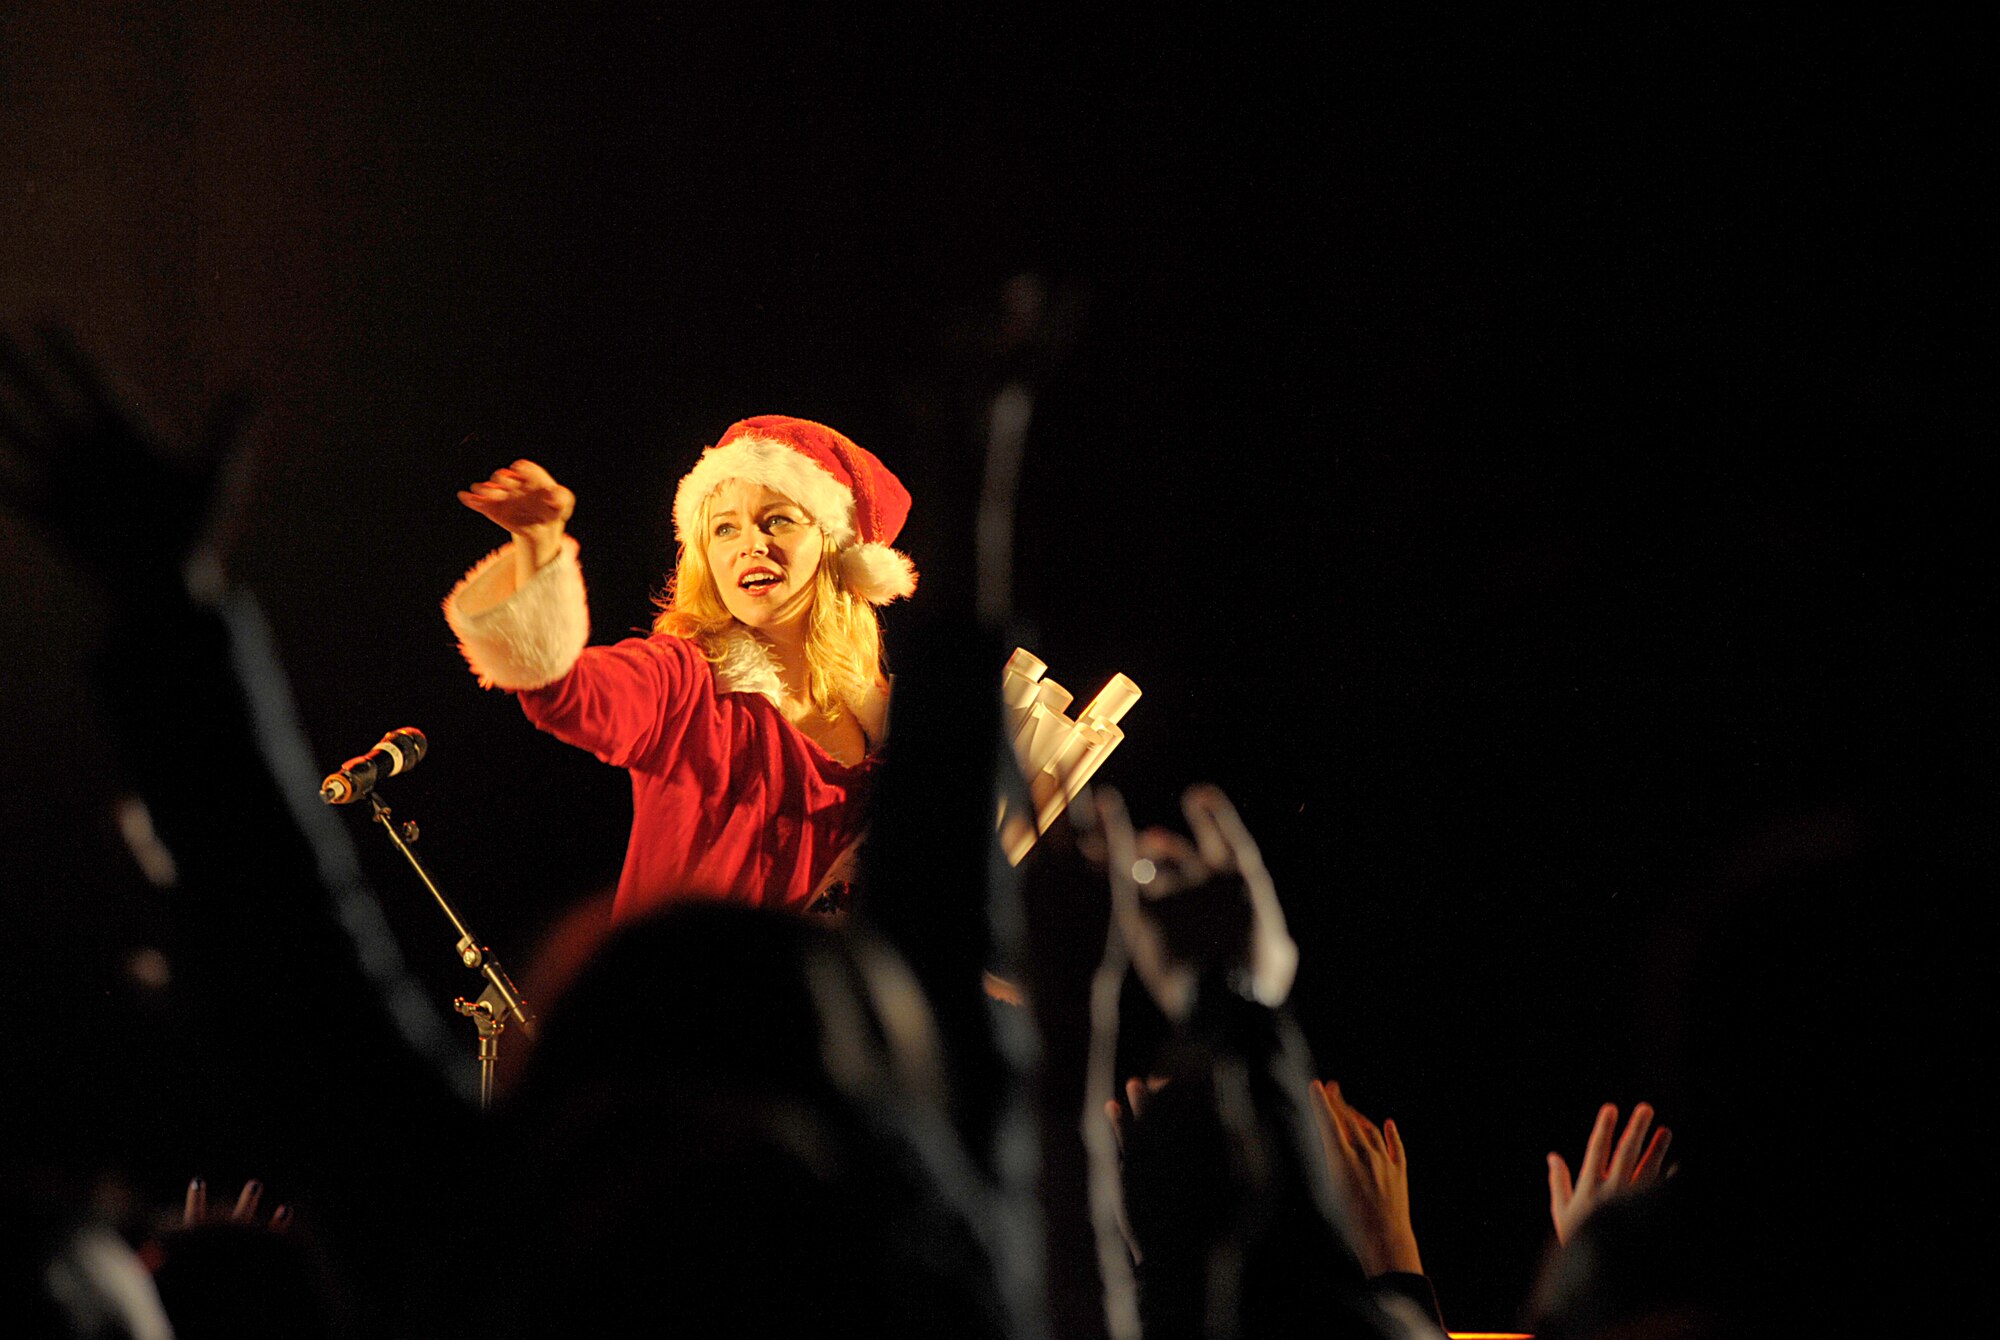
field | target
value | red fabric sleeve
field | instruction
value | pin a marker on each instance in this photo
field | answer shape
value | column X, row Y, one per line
column 625, row 703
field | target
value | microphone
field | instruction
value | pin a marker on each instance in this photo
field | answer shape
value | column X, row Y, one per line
column 399, row 751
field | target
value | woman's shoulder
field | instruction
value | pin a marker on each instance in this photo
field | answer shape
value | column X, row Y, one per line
column 679, row 659
column 673, row 668
column 673, row 646
column 731, row 661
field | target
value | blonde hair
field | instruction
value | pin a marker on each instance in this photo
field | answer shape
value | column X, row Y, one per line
column 843, row 635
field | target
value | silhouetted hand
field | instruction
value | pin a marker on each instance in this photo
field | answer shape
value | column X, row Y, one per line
column 1137, row 1091
column 195, row 1208
column 133, row 507
column 1606, row 1172
column 198, row 1214
column 1185, row 908
column 1373, row 1176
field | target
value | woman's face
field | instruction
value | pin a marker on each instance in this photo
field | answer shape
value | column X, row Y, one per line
column 763, row 552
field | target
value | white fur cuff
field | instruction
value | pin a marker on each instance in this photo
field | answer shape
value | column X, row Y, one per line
column 525, row 638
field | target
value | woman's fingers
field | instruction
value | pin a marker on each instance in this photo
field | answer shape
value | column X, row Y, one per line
column 246, row 1202
column 1359, row 1137
column 195, row 1209
column 1655, row 1157
column 1220, row 833
column 1606, row 1171
column 531, row 474
column 1369, row 1133
column 1326, row 1110
column 1121, row 848
column 1597, row 1154
column 1561, row 1189
column 1138, row 1091
column 523, row 478
column 1356, row 1128
column 520, row 497
column 1631, row 1144
column 1200, row 805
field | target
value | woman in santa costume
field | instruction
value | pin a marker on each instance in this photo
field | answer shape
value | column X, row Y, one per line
column 749, row 721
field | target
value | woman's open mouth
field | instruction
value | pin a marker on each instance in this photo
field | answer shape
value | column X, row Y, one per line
column 758, row 580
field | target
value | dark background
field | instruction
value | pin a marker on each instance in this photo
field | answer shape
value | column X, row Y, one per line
column 1518, row 459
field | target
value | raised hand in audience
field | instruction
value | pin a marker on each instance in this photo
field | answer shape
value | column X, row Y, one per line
column 125, row 500
column 1137, row 1091
column 1373, row 1177
column 226, row 1270
column 1189, row 908
column 1606, row 1171
column 195, row 1208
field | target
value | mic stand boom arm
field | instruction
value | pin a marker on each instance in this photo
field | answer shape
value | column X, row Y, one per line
column 499, row 1002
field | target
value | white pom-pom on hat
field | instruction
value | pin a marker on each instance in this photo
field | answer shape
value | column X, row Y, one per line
column 877, row 573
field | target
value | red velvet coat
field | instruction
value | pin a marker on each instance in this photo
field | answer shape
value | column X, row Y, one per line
column 729, row 799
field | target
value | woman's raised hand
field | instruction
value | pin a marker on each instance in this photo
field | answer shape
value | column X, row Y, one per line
column 1373, row 1175
column 524, row 500
column 1185, row 907
column 1606, row 1171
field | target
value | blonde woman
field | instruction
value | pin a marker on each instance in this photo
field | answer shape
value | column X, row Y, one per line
column 749, row 721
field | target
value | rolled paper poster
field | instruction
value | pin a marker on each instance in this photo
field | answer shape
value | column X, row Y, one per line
column 1024, row 738
column 1019, row 685
column 1050, row 699
column 1093, row 745
column 1110, row 738
column 1081, row 740
column 1058, row 755
column 1044, row 789
column 1047, row 729
column 1112, row 702
column 1017, row 838
column 1026, row 664
column 1052, row 736
column 1081, row 759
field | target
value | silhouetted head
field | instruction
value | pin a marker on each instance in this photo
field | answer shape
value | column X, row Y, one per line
column 727, row 1123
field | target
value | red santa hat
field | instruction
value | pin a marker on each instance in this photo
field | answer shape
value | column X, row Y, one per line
column 857, row 504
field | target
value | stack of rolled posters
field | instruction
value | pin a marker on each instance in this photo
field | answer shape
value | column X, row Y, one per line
column 1058, row 755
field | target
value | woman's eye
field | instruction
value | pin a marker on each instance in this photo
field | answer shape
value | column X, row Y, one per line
column 779, row 523
column 724, row 530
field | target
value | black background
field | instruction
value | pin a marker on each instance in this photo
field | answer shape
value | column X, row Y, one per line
column 1517, row 458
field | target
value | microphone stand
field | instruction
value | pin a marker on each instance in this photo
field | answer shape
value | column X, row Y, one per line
column 499, row 1002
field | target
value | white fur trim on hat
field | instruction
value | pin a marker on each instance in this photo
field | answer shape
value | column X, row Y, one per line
column 526, row 639
column 877, row 573
column 776, row 465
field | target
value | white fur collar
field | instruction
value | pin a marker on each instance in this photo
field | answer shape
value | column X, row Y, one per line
column 748, row 665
